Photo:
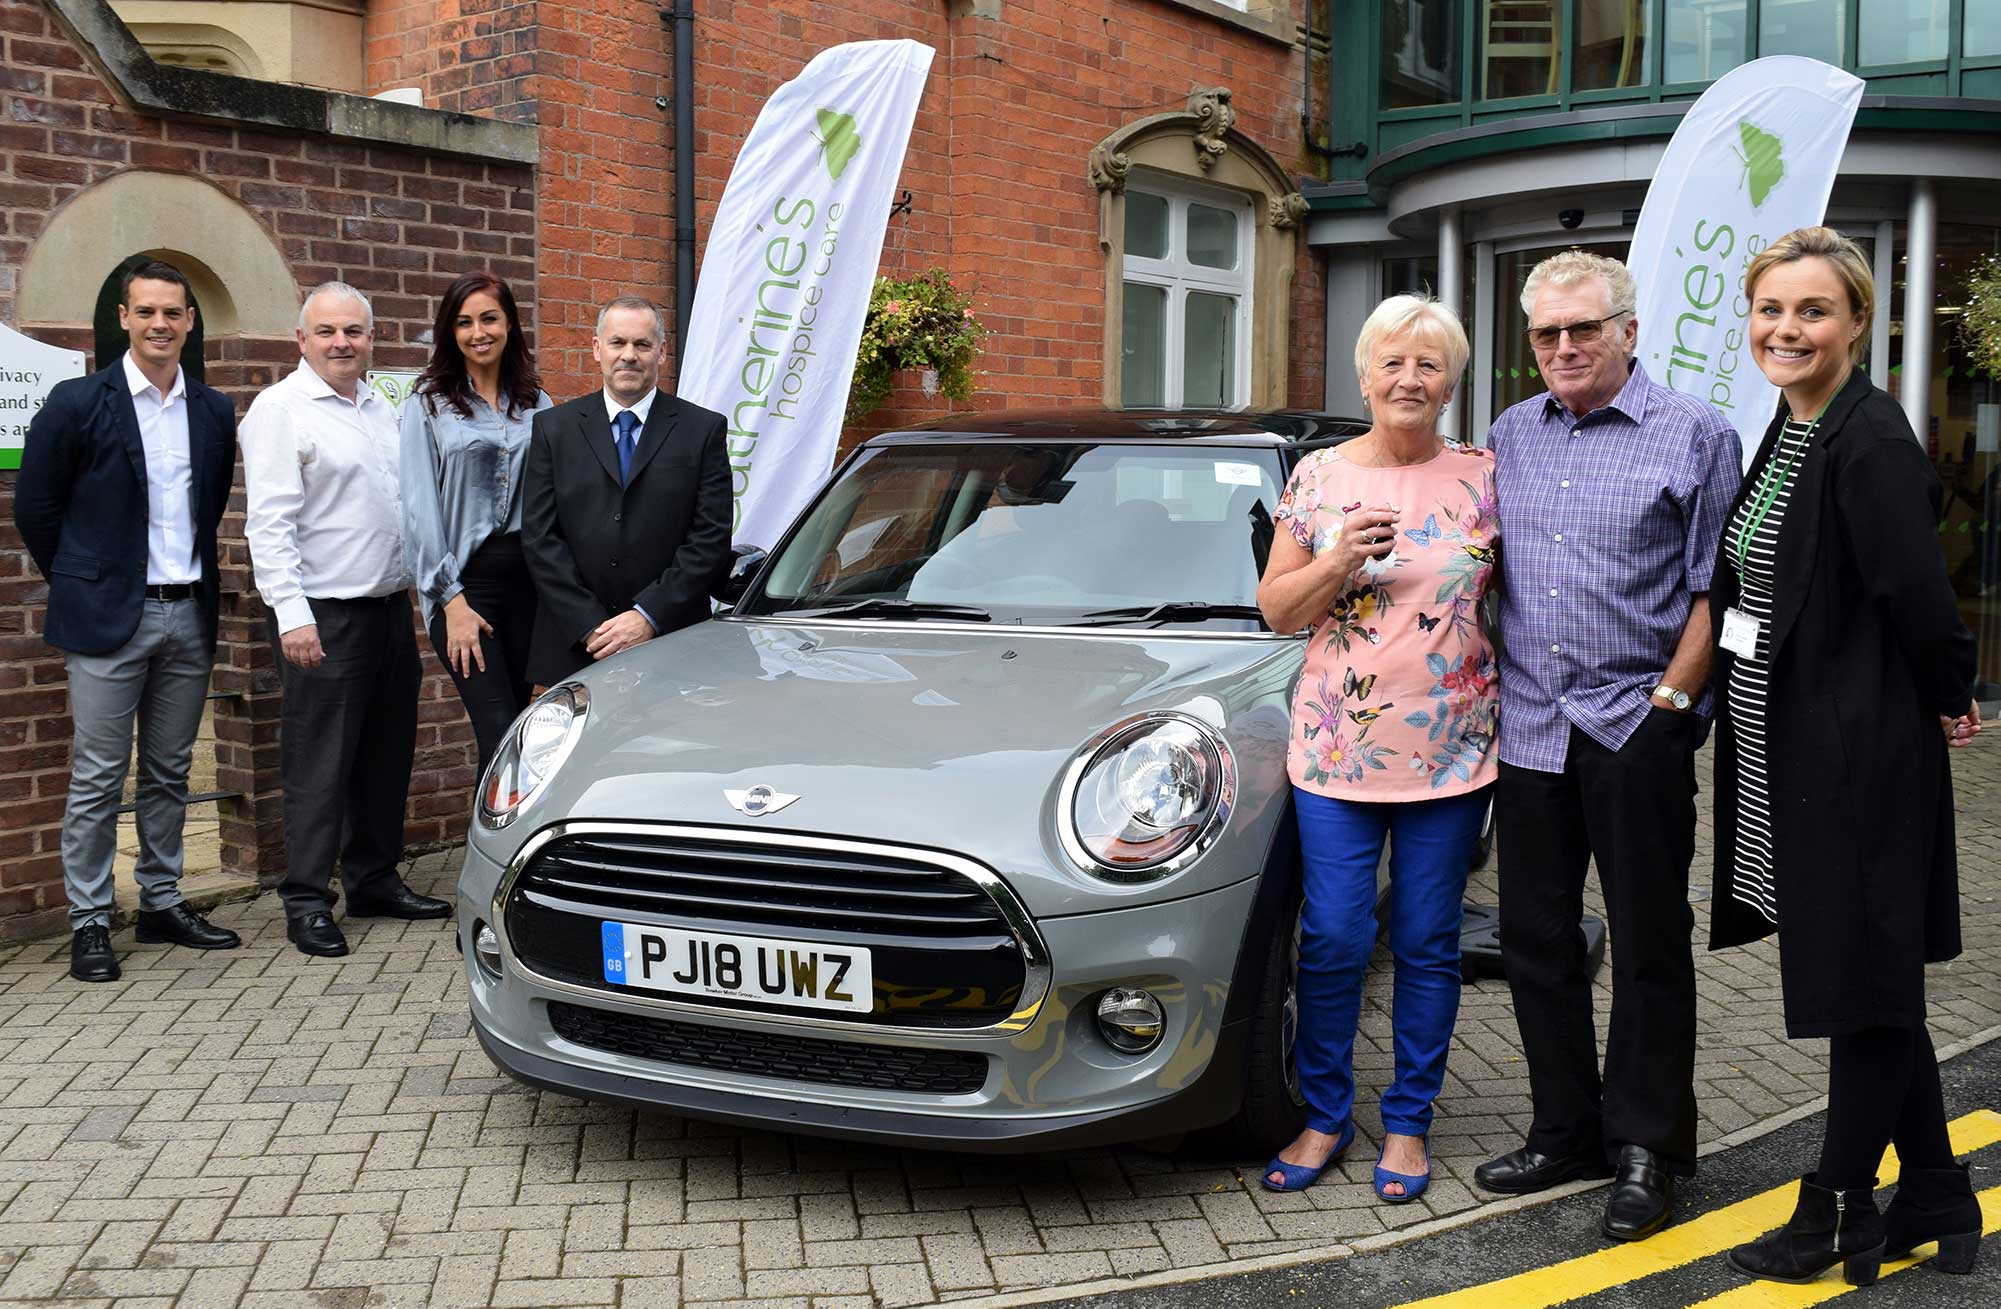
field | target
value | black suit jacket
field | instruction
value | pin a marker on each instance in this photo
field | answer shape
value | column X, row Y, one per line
column 660, row 542
column 80, row 502
column 1867, row 652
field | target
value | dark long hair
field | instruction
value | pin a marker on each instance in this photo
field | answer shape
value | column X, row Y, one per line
column 445, row 377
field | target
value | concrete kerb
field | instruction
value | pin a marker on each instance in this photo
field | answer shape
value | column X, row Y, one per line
column 1417, row 1231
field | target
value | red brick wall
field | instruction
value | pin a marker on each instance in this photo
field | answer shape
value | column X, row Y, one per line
column 996, row 164
column 397, row 224
column 472, row 56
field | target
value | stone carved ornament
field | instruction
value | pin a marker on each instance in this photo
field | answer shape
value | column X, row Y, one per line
column 1109, row 169
column 1210, row 107
column 1285, row 211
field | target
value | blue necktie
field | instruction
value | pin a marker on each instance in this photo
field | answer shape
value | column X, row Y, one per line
column 628, row 441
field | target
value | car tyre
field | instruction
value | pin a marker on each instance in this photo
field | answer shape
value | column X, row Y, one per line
column 1272, row 1112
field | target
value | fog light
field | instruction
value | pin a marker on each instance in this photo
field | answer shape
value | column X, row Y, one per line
column 1131, row 1021
column 486, row 947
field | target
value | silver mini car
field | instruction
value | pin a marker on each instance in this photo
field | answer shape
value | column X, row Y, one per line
column 967, row 826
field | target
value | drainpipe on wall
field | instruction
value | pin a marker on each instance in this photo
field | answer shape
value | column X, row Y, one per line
column 681, row 24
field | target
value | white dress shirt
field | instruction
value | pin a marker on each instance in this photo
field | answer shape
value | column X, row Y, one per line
column 325, row 510
column 170, row 514
column 642, row 409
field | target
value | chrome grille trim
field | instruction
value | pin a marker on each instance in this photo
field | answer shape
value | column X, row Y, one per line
column 1034, row 953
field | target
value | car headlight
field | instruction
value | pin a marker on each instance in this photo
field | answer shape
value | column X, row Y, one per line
column 535, row 748
column 1146, row 797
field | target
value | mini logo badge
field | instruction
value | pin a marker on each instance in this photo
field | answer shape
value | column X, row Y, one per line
column 758, row 801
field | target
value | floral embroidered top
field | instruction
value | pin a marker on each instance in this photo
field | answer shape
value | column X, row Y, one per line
column 1400, row 698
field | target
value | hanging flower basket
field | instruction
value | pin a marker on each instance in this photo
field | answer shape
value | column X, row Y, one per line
column 922, row 322
column 1980, row 329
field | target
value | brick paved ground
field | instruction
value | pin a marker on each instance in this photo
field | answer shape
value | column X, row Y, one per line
column 258, row 1129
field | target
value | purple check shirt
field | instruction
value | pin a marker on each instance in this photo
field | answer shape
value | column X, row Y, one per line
column 1610, row 524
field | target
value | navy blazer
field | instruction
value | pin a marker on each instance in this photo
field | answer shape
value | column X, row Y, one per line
column 80, row 502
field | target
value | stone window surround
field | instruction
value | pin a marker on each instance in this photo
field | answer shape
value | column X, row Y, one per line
column 1201, row 144
column 1270, row 19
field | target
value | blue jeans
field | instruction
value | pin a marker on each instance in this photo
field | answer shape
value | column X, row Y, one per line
column 1341, row 843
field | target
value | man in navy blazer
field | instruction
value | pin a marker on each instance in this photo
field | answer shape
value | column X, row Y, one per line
column 122, row 482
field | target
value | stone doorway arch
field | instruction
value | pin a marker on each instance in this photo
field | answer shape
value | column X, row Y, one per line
column 240, row 276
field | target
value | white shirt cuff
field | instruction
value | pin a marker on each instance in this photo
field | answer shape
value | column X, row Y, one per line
column 294, row 614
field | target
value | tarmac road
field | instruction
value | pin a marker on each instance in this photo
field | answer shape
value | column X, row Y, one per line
column 1552, row 1253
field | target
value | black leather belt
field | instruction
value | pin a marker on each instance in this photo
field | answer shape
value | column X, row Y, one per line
column 172, row 591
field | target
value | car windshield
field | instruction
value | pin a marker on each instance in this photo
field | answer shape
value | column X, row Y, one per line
column 1115, row 534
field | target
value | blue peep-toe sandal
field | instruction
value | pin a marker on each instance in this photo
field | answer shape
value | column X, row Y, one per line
column 1300, row 1176
column 1413, row 1186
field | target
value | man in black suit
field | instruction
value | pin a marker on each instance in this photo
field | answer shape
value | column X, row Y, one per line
column 625, row 505
column 123, row 480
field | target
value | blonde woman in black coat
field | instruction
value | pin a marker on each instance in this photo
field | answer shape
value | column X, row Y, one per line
column 1843, row 673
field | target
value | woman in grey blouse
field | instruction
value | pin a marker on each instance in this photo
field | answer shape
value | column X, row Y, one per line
column 465, row 437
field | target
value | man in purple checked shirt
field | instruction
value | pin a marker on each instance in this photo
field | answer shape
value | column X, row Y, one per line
column 1613, row 490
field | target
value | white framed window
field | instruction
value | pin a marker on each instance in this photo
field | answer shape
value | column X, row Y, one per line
column 1185, row 334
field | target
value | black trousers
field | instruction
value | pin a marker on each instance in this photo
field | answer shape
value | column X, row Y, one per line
column 1882, row 1087
column 1632, row 810
column 347, row 736
column 498, row 588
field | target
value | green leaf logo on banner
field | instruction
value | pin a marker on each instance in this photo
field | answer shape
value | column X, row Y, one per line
column 1764, row 164
column 838, row 141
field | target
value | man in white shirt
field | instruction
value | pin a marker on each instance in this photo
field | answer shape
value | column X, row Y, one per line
column 123, row 479
column 324, row 522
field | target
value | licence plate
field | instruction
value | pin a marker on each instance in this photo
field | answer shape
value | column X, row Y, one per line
column 759, row 969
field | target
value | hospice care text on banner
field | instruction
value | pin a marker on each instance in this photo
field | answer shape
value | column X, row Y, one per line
column 1754, row 158
column 788, row 269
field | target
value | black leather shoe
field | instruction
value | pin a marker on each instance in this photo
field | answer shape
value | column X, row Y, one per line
column 316, row 934
column 1527, row 1170
column 180, row 925
column 90, row 955
column 1642, row 1196
column 395, row 900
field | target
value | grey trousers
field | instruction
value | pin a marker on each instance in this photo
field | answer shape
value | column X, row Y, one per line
column 159, row 678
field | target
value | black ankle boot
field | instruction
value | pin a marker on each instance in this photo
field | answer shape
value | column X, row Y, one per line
column 1827, row 1228
column 1934, row 1204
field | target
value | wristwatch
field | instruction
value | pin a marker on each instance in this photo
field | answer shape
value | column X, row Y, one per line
column 1679, row 699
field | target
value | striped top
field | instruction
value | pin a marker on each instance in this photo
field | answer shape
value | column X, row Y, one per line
column 1750, row 546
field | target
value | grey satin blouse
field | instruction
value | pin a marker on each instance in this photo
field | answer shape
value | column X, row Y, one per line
column 461, row 485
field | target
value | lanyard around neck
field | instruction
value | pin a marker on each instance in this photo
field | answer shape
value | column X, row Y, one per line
column 1770, row 483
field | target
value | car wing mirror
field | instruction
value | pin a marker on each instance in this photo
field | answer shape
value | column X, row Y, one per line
column 743, row 567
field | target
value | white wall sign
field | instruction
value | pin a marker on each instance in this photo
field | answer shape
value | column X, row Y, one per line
column 29, row 370
column 393, row 387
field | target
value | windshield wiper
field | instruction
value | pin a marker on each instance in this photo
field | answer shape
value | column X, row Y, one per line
column 1174, row 611
column 892, row 607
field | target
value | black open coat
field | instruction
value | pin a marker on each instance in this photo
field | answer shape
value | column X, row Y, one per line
column 1868, row 650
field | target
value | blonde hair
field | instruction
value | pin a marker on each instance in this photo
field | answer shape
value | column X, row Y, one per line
column 1574, row 266
column 1418, row 315
column 1843, row 257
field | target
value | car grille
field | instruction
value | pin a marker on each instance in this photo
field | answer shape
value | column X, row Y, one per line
column 944, row 954
column 768, row 1054
column 780, row 890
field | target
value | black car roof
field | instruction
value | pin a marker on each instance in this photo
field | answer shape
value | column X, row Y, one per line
column 1276, row 427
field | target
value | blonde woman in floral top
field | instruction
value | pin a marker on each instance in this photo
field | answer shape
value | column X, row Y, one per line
column 1389, row 547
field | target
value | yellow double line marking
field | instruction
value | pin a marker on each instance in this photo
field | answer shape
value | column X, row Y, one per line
column 1709, row 1234
column 1780, row 1295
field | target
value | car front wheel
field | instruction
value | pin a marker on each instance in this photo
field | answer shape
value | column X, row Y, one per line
column 1272, row 1112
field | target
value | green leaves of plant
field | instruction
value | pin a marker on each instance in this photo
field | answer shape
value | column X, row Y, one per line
column 838, row 140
